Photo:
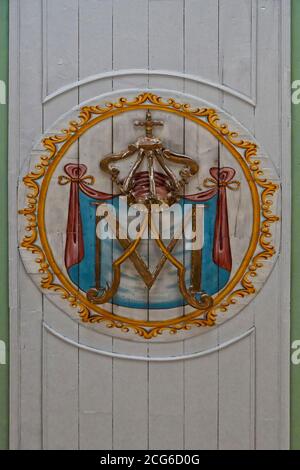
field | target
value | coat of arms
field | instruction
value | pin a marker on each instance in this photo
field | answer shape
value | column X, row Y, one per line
column 97, row 250
column 145, row 238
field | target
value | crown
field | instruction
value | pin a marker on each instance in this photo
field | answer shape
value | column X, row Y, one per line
column 158, row 183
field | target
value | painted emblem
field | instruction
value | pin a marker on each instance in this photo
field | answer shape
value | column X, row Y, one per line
column 144, row 238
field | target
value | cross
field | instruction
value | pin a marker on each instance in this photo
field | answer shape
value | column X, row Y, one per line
column 148, row 124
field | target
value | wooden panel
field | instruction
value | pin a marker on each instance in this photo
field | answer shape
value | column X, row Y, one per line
column 166, row 410
column 95, row 372
column 285, row 302
column 236, row 425
column 122, row 404
column 130, row 379
column 95, row 45
column 31, row 359
column 268, row 314
column 201, row 379
column 201, row 395
column 268, row 87
column 166, row 399
column 60, row 361
column 201, row 402
column 14, row 262
column 130, row 398
column 30, row 306
column 60, row 384
column 60, row 55
column 61, row 42
column 237, row 66
column 235, row 24
column 202, row 46
column 95, row 393
column 130, row 40
column 166, row 40
column 201, row 38
column 237, row 62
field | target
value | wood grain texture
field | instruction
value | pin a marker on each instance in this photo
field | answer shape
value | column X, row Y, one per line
column 130, row 379
column 202, row 57
column 237, row 57
column 60, row 364
column 95, row 406
column 234, row 398
column 15, row 262
column 4, row 285
column 27, row 71
column 270, row 315
column 166, row 50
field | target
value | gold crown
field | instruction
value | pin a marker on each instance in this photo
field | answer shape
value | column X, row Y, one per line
column 150, row 186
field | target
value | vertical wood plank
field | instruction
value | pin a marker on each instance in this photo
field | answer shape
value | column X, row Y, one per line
column 201, row 375
column 31, row 360
column 62, row 43
column 237, row 56
column 95, row 45
column 166, row 51
column 237, row 381
column 95, row 372
column 60, row 383
column 166, row 40
column 130, row 398
column 202, row 46
column 14, row 262
column 237, row 43
column 130, row 379
column 95, row 393
column 268, row 314
column 235, row 40
column 201, row 396
column 166, row 399
column 236, row 396
column 286, row 383
column 130, row 40
column 30, row 305
column 60, row 55
column 60, row 361
column 268, row 83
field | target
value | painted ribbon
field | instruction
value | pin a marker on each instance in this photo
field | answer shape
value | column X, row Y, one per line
column 77, row 178
column 221, row 178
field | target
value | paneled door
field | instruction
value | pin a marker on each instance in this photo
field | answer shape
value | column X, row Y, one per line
column 150, row 344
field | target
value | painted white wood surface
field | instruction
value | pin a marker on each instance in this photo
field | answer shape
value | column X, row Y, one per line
column 62, row 397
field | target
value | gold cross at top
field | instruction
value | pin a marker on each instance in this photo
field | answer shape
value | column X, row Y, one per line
column 148, row 124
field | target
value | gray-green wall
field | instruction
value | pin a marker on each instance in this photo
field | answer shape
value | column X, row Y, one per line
column 3, row 226
column 295, row 320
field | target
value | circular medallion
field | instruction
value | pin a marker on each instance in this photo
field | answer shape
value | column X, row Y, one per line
column 149, row 218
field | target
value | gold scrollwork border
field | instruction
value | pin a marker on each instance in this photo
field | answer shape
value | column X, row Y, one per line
column 37, row 184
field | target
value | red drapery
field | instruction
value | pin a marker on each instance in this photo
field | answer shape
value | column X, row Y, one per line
column 74, row 251
column 220, row 179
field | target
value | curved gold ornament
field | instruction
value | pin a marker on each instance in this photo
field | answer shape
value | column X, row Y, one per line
column 53, row 279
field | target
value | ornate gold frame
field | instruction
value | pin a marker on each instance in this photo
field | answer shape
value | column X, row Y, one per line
column 263, row 218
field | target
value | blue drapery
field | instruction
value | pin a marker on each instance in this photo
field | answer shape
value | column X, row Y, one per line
column 132, row 290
